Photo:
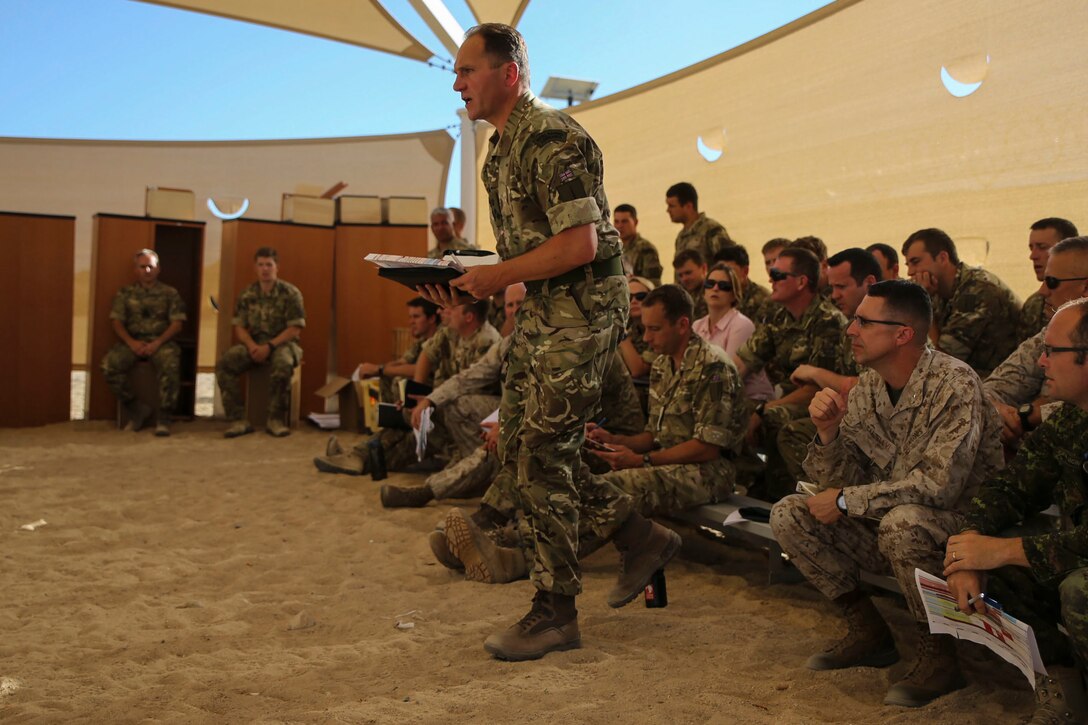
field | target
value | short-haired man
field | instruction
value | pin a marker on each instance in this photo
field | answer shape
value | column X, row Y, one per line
column 1044, row 234
column 640, row 256
column 146, row 315
column 1040, row 576
column 268, row 318
column 753, row 297
column 894, row 458
column 818, row 248
column 445, row 238
column 805, row 328
column 699, row 232
column 689, row 268
column 887, row 258
column 423, row 322
column 975, row 313
column 771, row 250
column 1015, row 386
column 850, row 274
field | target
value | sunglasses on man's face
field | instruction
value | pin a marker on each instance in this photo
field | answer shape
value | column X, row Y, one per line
column 778, row 275
column 1053, row 282
column 722, row 284
column 640, row 296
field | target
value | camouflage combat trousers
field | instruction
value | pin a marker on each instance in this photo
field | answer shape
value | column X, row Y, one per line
column 236, row 361
column 793, row 440
column 833, row 556
column 462, row 418
column 468, row 477
column 1043, row 606
column 167, row 361
column 560, row 347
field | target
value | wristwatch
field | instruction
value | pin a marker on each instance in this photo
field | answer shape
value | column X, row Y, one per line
column 760, row 408
column 1024, row 411
column 646, row 462
column 840, row 502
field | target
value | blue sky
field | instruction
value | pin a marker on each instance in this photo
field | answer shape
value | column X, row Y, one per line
column 121, row 69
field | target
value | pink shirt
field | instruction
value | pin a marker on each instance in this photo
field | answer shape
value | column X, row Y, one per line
column 732, row 331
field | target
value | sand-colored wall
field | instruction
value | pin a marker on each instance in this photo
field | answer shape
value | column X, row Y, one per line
column 83, row 178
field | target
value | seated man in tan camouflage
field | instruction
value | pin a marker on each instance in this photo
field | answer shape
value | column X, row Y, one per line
column 146, row 315
column 682, row 459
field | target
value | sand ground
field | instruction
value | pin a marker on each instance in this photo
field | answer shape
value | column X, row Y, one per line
column 175, row 579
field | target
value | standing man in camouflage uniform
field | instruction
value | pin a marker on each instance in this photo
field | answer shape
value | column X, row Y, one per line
column 895, row 458
column 1044, row 234
column 544, row 178
column 699, row 231
column 975, row 313
column 1040, row 578
column 805, row 328
column 268, row 318
column 1015, row 386
column 640, row 258
column 146, row 315
column 445, row 238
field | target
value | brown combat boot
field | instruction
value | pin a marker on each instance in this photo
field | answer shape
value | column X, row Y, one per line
column 645, row 546
column 1059, row 697
column 550, row 626
column 483, row 559
column 397, row 497
column 936, row 672
column 868, row 641
column 351, row 464
column 440, row 547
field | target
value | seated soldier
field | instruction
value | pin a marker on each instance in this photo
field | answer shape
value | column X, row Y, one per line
column 422, row 324
column 1015, row 386
column 804, row 329
column 682, row 459
column 1039, row 577
column 975, row 314
column 443, row 358
column 1044, row 234
column 818, row 248
column 689, row 268
column 146, row 316
column 268, row 318
column 895, row 459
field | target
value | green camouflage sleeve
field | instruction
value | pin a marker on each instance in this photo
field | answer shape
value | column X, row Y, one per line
column 176, row 310
column 967, row 320
column 117, row 309
column 563, row 178
column 758, row 349
column 826, row 336
column 296, row 312
column 715, row 398
column 1032, row 316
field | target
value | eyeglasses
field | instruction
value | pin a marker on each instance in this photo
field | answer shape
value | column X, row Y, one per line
column 640, row 296
column 865, row 322
column 1053, row 282
column 778, row 275
column 1049, row 350
column 722, row 284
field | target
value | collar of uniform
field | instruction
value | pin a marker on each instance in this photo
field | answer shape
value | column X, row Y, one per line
column 813, row 307
column 694, row 349
column 275, row 285
column 518, row 114
column 914, row 393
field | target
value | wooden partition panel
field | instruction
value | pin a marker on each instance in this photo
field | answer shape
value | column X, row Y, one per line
column 367, row 307
column 306, row 261
column 36, row 294
column 180, row 245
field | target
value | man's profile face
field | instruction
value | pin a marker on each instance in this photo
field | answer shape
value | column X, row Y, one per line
column 1063, row 266
column 267, row 269
column 770, row 256
column 784, row 290
column 887, row 271
column 872, row 341
column 418, row 322
column 845, row 292
column 691, row 275
column 147, row 269
column 675, row 209
column 1039, row 243
column 1065, row 379
column 515, row 295
column 482, row 88
column 662, row 336
column 442, row 227
column 626, row 225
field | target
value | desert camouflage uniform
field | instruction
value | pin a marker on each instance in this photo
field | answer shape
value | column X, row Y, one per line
column 753, row 304
column 544, row 175
column 146, row 312
column 779, row 346
column 706, row 235
column 978, row 324
column 640, row 258
column 1033, row 317
column 907, row 470
column 1018, row 379
column 263, row 316
column 1054, row 587
column 457, row 243
column 454, row 354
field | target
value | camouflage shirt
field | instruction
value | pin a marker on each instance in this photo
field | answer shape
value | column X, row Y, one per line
column 703, row 400
column 146, row 312
column 438, row 250
column 483, row 377
column 706, row 235
column 458, row 353
column 412, row 353
column 932, row 448
column 978, row 324
column 1019, row 379
column 753, row 303
column 1033, row 316
column 640, row 259
column 782, row 343
column 1046, row 471
column 264, row 316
